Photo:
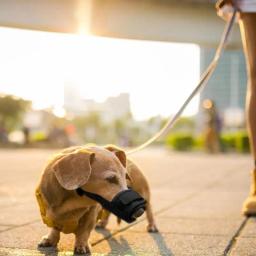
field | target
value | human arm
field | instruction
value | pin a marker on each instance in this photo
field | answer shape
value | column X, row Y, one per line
column 225, row 8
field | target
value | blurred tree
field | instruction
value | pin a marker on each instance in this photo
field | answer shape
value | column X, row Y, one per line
column 12, row 110
column 89, row 127
column 119, row 126
column 186, row 124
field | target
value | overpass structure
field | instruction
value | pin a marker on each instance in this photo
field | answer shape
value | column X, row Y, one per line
column 190, row 21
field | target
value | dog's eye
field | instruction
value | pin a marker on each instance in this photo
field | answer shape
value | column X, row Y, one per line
column 112, row 179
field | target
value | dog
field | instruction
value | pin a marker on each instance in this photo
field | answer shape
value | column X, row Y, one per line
column 138, row 182
column 101, row 170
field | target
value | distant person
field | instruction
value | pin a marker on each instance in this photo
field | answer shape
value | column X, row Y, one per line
column 26, row 134
column 3, row 134
column 247, row 22
column 212, row 127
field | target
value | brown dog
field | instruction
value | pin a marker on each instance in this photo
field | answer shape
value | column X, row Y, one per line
column 137, row 181
column 93, row 169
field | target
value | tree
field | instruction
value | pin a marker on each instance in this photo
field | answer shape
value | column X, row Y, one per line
column 90, row 127
column 12, row 110
column 185, row 124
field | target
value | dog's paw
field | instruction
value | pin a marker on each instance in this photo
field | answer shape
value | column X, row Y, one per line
column 152, row 229
column 46, row 242
column 82, row 250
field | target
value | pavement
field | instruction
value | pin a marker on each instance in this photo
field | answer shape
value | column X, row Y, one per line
column 196, row 197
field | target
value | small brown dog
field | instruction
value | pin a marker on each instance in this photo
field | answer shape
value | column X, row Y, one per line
column 101, row 170
column 137, row 181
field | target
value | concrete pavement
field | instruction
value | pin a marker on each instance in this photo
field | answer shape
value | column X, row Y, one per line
column 197, row 200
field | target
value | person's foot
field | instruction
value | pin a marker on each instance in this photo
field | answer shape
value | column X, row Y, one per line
column 249, row 206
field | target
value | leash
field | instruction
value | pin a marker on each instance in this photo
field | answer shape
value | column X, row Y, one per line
column 203, row 81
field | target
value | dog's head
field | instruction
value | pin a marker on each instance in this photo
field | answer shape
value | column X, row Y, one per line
column 100, row 170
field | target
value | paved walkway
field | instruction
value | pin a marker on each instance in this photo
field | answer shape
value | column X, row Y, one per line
column 197, row 200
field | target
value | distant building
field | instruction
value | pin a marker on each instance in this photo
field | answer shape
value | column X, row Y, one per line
column 227, row 86
column 115, row 107
column 112, row 108
column 73, row 103
column 38, row 120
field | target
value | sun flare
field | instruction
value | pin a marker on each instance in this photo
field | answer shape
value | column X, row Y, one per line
column 158, row 76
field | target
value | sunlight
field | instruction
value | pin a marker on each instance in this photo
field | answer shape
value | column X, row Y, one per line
column 59, row 111
column 158, row 76
column 83, row 16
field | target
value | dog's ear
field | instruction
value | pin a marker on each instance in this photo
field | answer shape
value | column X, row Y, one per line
column 73, row 170
column 128, row 177
column 118, row 152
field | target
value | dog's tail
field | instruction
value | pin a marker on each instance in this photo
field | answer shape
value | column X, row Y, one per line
column 119, row 221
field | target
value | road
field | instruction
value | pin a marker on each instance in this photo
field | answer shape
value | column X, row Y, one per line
column 197, row 201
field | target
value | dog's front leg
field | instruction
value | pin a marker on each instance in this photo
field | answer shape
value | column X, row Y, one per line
column 86, row 225
column 50, row 240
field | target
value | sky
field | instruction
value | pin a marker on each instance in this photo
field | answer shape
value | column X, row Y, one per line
column 157, row 75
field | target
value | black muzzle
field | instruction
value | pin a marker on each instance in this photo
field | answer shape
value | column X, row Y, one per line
column 127, row 205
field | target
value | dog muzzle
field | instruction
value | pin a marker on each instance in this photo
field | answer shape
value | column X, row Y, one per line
column 127, row 205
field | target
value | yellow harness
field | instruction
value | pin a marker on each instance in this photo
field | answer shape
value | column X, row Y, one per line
column 68, row 226
column 42, row 207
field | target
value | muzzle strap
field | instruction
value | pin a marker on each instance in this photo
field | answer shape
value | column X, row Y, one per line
column 105, row 203
column 93, row 196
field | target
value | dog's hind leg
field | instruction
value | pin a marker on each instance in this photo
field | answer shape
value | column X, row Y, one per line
column 151, row 222
column 103, row 220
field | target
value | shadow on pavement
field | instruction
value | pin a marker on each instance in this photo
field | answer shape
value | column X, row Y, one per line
column 123, row 246
column 116, row 246
column 48, row 251
column 161, row 244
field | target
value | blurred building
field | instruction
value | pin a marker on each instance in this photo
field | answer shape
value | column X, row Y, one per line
column 112, row 108
column 38, row 120
column 227, row 86
column 73, row 103
column 115, row 107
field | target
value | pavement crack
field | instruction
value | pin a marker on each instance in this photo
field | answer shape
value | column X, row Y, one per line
column 7, row 225
column 184, row 234
column 21, row 225
column 233, row 240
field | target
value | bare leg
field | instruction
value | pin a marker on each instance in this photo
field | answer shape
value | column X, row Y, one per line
column 248, row 33
column 50, row 240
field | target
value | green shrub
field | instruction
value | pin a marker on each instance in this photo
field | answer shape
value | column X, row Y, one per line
column 236, row 141
column 38, row 136
column 180, row 141
column 228, row 142
column 242, row 142
column 199, row 143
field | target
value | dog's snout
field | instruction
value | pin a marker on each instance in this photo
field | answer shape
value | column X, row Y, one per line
column 138, row 213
